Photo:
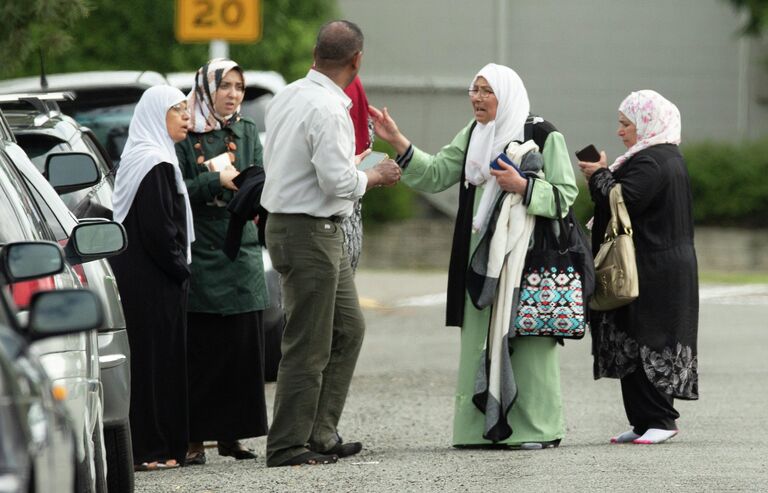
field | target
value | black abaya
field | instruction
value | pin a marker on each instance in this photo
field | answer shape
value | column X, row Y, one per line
column 152, row 277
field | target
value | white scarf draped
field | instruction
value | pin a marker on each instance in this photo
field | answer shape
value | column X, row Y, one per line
column 148, row 145
column 489, row 140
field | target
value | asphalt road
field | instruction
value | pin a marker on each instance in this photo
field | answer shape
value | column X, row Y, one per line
column 400, row 407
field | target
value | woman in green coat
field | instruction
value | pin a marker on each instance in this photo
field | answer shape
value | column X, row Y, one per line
column 501, row 114
column 225, row 345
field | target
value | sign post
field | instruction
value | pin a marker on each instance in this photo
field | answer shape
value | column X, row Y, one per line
column 227, row 20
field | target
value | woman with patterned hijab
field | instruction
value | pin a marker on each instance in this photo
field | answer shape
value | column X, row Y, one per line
column 650, row 344
column 226, row 297
column 525, row 412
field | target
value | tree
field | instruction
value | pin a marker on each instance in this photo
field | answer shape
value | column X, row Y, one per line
column 30, row 24
column 757, row 11
column 139, row 35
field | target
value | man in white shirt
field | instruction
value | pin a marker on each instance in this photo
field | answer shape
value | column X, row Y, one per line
column 311, row 183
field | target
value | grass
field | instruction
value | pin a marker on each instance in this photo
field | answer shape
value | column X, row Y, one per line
column 733, row 277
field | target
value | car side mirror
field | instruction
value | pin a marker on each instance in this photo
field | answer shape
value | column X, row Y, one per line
column 25, row 260
column 94, row 240
column 71, row 171
column 63, row 311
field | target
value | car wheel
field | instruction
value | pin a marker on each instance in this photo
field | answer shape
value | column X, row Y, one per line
column 83, row 471
column 119, row 457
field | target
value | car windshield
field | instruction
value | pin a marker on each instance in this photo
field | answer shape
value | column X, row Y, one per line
column 109, row 124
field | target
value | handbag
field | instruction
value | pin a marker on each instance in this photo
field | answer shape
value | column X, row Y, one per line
column 557, row 279
column 616, row 282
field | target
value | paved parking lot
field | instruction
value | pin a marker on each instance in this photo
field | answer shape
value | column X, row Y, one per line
column 400, row 407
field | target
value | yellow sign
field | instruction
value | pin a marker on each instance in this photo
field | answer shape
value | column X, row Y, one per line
column 229, row 20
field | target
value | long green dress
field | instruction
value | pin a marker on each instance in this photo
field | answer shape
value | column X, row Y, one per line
column 537, row 415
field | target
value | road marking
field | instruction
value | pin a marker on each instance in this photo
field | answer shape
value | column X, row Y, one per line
column 746, row 294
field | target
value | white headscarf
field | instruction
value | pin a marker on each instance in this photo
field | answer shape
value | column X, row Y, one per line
column 203, row 93
column 489, row 140
column 657, row 121
column 148, row 145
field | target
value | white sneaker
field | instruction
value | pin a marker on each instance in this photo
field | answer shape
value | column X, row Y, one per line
column 654, row 436
column 627, row 437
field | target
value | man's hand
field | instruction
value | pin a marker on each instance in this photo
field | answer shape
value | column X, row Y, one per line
column 386, row 174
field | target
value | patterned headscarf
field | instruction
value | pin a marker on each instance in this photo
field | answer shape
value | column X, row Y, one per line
column 201, row 97
column 657, row 121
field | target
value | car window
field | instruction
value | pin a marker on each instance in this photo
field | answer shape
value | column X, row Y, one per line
column 255, row 109
column 19, row 218
column 50, row 218
column 38, row 146
column 109, row 124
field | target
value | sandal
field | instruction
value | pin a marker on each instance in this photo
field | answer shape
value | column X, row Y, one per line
column 195, row 458
column 308, row 458
column 156, row 466
column 235, row 449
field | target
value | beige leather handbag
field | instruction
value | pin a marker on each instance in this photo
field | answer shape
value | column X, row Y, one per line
column 616, row 282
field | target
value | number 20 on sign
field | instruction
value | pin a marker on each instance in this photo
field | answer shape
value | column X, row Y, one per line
column 229, row 20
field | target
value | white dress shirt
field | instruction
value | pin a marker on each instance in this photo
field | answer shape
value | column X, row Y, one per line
column 309, row 151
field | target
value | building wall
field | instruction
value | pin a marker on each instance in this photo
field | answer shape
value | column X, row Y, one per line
column 578, row 60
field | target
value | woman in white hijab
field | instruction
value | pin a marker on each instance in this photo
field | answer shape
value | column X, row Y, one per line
column 150, row 199
column 533, row 418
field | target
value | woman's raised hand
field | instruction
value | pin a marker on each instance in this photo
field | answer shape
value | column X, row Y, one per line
column 386, row 129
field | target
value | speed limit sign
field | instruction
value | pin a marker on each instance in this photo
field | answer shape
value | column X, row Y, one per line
column 229, row 20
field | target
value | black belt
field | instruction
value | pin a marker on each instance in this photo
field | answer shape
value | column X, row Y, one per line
column 334, row 218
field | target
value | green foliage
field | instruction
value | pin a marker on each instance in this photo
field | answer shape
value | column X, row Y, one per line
column 382, row 205
column 30, row 24
column 729, row 182
column 139, row 35
column 583, row 207
column 757, row 19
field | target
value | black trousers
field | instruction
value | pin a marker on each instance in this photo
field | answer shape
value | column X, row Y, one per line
column 645, row 405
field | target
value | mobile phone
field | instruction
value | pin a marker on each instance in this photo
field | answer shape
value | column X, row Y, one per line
column 372, row 160
column 505, row 158
column 589, row 154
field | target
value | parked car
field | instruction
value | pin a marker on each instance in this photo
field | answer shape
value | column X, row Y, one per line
column 42, row 131
column 105, row 99
column 110, row 99
column 72, row 361
column 37, row 440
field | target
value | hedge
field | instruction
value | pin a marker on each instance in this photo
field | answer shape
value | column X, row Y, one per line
column 729, row 184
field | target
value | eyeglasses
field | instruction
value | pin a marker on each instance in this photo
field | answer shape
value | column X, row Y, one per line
column 481, row 93
column 180, row 108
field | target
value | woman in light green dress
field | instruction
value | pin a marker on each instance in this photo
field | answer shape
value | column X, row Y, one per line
column 501, row 115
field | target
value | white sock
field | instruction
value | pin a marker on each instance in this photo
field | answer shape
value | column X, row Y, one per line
column 626, row 437
column 655, row 435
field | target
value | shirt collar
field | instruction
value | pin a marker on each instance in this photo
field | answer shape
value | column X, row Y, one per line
column 323, row 80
